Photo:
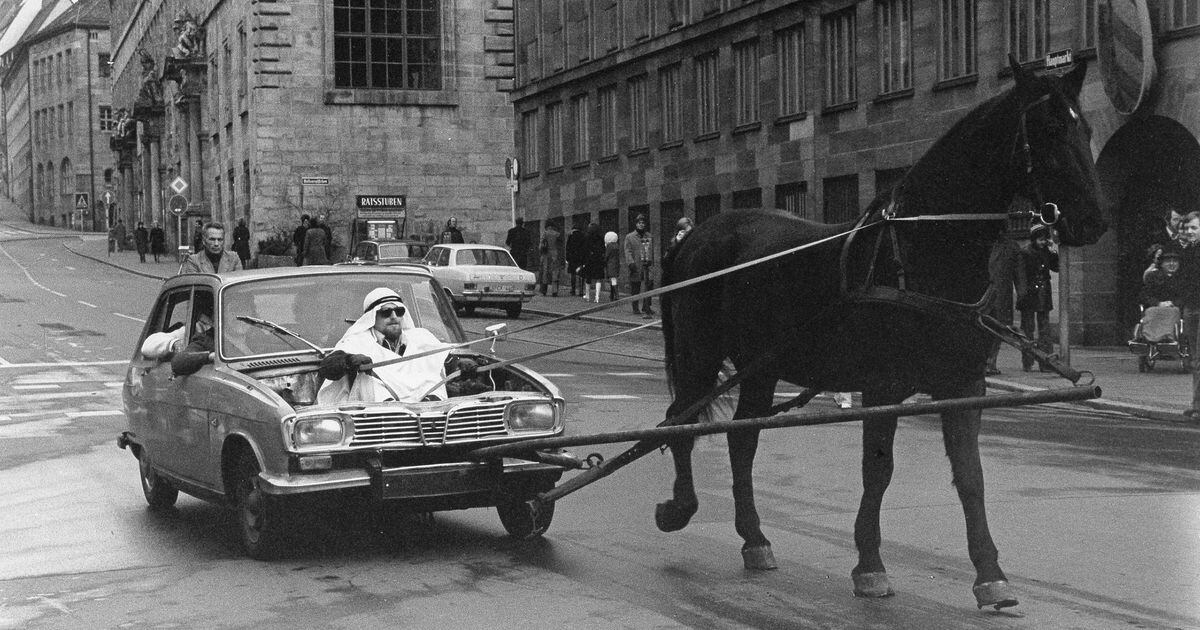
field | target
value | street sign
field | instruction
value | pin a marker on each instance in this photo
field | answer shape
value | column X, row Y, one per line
column 512, row 168
column 314, row 181
column 178, row 204
column 109, row 197
column 179, row 185
column 380, row 202
column 513, row 185
column 1058, row 59
column 81, row 201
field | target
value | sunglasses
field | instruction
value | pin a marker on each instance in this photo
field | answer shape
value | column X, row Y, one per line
column 397, row 311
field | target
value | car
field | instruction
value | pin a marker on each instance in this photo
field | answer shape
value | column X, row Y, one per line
column 388, row 252
column 481, row 276
column 246, row 430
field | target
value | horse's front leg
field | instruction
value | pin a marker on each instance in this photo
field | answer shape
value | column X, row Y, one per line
column 675, row 513
column 869, row 575
column 960, row 431
column 754, row 401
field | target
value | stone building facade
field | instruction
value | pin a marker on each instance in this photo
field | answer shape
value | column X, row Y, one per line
column 57, row 116
column 693, row 107
column 270, row 110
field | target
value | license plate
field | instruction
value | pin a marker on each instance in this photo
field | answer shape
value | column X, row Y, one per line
column 506, row 287
column 434, row 483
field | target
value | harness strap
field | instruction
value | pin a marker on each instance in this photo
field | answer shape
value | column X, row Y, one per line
column 1018, row 340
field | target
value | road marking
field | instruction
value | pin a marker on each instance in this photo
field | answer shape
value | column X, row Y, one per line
column 44, row 386
column 610, row 397
column 629, row 374
column 136, row 319
column 27, row 274
column 92, row 414
column 63, row 364
column 86, row 304
column 114, row 384
column 562, row 375
column 3, row 362
column 49, row 396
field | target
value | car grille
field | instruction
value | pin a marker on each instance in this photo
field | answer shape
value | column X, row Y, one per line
column 463, row 425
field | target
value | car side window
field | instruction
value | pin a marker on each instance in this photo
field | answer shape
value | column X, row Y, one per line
column 364, row 252
column 172, row 312
column 465, row 257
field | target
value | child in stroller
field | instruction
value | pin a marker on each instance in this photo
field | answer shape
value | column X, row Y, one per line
column 1159, row 333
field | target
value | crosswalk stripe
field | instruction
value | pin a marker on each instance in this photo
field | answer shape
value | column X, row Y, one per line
column 609, row 396
column 90, row 414
column 629, row 374
column 37, row 386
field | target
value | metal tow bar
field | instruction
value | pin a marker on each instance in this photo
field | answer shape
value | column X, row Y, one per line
column 651, row 438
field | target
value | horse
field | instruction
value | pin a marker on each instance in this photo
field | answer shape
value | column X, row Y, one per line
column 883, row 306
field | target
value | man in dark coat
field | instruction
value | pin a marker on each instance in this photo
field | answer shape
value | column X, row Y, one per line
column 1038, row 260
column 518, row 243
column 158, row 241
column 576, row 253
column 198, row 237
column 451, row 234
column 298, row 238
column 241, row 242
column 1003, row 271
column 120, row 235
column 142, row 240
column 639, row 257
column 316, row 244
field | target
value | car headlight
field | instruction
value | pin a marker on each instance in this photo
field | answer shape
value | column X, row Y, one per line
column 530, row 416
column 318, row 432
column 469, row 286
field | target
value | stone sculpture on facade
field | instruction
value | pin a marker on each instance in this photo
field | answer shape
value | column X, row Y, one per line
column 190, row 41
column 151, row 94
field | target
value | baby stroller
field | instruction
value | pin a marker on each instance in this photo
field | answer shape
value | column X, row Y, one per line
column 1159, row 335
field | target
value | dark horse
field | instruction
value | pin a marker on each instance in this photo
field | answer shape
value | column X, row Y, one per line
column 886, row 310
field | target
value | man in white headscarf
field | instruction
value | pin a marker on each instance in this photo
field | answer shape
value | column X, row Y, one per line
column 384, row 332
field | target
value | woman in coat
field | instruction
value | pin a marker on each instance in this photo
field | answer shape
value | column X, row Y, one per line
column 550, row 256
column 593, row 262
column 612, row 263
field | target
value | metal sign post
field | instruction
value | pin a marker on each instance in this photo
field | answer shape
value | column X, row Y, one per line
column 512, row 170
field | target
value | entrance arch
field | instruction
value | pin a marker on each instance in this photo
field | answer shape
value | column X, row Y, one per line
column 1148, row 166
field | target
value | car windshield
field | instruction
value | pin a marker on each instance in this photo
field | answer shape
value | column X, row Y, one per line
column 317, row 308
column 489, row 257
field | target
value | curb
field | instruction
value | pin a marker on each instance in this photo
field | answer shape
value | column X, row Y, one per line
column 113, row 264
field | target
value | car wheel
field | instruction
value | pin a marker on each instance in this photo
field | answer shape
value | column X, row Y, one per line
column 1142, row 364
column 160, row 494
column 526, row 520
column 258, row 513
column 513, row 311
column 469, row 309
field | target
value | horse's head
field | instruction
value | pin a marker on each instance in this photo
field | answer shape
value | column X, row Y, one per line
column 1054, row 157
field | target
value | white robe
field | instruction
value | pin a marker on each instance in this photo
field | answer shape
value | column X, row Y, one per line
column 409, row 380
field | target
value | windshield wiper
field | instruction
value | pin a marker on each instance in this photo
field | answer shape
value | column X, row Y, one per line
column 280, row 329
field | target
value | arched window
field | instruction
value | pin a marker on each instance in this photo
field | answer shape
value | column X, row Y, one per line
column 66, row 179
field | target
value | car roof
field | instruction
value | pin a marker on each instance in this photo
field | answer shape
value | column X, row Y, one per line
column 383, row 241
column 458, row 246
column 238, row 277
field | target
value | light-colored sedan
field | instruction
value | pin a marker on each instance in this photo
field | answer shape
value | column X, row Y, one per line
column 481, row 276
column 246, row 428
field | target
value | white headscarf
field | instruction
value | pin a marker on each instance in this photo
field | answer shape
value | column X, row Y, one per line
column 409, row 379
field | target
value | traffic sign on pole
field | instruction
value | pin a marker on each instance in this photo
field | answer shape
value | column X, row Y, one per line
column 81, row 201
column 178, row 204
column 179, row 185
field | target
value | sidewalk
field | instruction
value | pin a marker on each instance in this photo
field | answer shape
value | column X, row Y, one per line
column 1163, row 394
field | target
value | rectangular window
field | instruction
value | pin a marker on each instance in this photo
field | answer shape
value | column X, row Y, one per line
column 608, row 120
column 707, row 114
column 70, row 121
column 580, row 20
column 579, row 119
column 670, row 100
column 554, row 135
column 893, row 22
column 106, row 119
column 242, row 78
column 103, row 69
column 245, row 188
column 1028, row 26
column 745, row 80
column 383, row 44
column 957, row 51
column 1184, row 13
column 68, row 72
column 530, row 139
column 232, row 199
column 62, row 123
column 793, row 198
column 789, row 50
column 639, row 131
column 840, row 57
column 841, row 199
column 217, row 196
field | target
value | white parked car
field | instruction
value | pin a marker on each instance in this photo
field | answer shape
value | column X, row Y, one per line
column 481, row 275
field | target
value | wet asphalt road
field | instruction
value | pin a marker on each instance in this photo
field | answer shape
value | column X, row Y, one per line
column 1097, row 516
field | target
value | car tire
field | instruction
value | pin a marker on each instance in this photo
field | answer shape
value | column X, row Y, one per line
column 259, row 517
column 526, row 520
column 513, row 311
column 468, row 309
column 159, row 492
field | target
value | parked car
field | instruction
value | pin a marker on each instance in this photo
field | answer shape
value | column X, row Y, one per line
column 481, row 276
column 388, row 252
column 246, row 430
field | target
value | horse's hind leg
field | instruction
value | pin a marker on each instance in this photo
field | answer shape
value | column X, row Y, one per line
column 960, row 431
column 754, row 401
column 869, row 575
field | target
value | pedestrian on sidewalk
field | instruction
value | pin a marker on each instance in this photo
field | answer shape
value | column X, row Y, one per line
column 451, row 233
column 316, row 243
column 121, row 235
column 575, row 258
column 550, row 252
column 1038, row 260
column 241, row 242
column 612, row 263
column 298, row 238
column 639, row 257
column 518, row 243
column 1189, row 298
column 593, row 265
column 141, row 239
column 158, row 241
column 1003, row 269
column 198, row 237
column 213, row 258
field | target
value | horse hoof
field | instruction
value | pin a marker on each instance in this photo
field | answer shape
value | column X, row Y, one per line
column 759, row 558
column 997, row 594
column 873, row 584
column 671, row 516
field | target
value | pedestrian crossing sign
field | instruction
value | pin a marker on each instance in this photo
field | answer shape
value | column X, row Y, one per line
column 81, row 201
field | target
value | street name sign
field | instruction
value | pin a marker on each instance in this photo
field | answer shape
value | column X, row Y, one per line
column 314, row 181
column 179, row 185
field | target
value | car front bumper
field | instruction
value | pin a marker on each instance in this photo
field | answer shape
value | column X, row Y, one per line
column 493, row 297
column 408, row 482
